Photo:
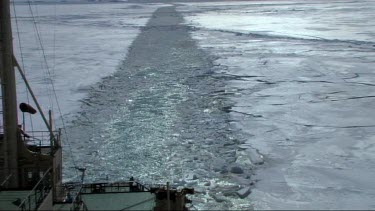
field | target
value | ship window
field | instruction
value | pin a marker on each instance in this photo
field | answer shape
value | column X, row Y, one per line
column 29, row 175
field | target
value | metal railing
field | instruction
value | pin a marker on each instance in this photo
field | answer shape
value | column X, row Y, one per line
column 38, row 193
column 40, row 138
column 77, row 203
column 5, row 181
column 40, row 141
column 70, row 194
column 120, row 187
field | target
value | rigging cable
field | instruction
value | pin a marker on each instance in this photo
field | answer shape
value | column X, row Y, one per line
column 23, row 64
column 54, row 37
column 38, row 27
column 43, row 63
column 53, row 88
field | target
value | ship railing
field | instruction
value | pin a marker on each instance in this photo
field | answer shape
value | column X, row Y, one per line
column 38, row 193
column 41, row 141
column 152, row 186
column 40, row 138
column 77, row 190
column 119, row 187
column 78, row 203
column 62, row 191
column 6, row 180
column 68, row 193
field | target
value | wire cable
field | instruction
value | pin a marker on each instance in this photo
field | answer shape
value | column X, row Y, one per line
column 22, row 61
column 53, row 86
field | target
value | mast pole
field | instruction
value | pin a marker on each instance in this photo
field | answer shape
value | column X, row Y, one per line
column 48, row 124
column 8, row 88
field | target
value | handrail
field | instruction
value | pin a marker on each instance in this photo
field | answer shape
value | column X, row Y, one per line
column 42, row 139
column 5, row 181
column 139, row 186
column 76, row 201
column 34, row 191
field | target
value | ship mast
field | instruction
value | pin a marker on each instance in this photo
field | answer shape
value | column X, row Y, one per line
column 9, row 102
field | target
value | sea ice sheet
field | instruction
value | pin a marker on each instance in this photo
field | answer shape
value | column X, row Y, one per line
column 304, row 75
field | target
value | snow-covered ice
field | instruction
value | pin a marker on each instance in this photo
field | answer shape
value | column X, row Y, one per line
column 304, row 75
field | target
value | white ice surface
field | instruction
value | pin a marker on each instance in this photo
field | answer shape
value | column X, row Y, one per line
column 311, row 20
column 304, row 95
column 82, row 42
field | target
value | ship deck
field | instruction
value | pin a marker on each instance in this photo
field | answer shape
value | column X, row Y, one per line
column 62, row 206
column 119, row 201
column 11, row 199
column 111, row 196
